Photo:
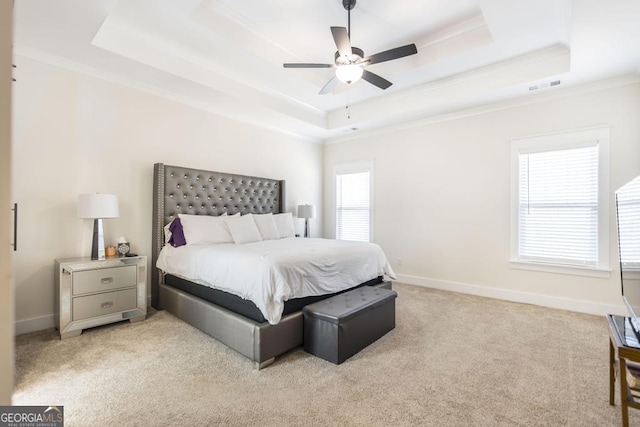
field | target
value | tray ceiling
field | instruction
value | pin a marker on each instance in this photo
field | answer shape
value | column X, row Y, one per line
column 226, row 56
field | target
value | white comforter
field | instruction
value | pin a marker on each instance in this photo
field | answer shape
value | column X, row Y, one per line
column 271, row 272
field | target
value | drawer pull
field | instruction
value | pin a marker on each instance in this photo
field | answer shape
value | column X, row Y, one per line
column 107, row 304
column 106, row 280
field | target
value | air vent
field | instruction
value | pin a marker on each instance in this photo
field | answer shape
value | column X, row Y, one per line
column 543, row 85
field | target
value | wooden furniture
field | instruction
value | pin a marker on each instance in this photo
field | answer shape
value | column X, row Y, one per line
column 97, row 292
column 624, row 352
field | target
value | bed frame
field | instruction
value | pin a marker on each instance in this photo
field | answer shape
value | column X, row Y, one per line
column 190, row 191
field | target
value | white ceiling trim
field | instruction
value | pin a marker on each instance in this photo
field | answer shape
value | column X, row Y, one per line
column 256, row 103
column 219, row 108
column 209, row 9
column 228, row 107
column 532, row 98
column 119, row 36
column 228, row 97
column 420, row 100
column 226, row 56
column 475, row 25
column 122, row 39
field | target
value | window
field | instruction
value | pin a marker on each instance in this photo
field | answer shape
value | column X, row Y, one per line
column 628, row 208
column 560, row 208
column 353, row 202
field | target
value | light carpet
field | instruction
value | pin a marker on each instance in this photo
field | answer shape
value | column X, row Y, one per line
column 453, row 359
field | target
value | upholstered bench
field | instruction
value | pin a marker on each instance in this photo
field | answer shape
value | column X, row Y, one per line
column 338, row 327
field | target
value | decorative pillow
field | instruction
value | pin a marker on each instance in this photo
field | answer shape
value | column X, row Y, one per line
column 177, row 233
column 267, row 226
column 243, row 229
column 204, row 229
column 284, row 224
column 167, row 233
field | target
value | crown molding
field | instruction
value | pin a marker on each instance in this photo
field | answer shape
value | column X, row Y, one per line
column 528, row 99
column 74, row 66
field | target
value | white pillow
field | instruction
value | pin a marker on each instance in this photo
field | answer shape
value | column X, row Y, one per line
column 284, row 224
column 167, row 233
column 243, row 229
column 267, row 226
column 204, row 229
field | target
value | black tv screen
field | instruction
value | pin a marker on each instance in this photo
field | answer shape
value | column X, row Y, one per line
column 628, row 224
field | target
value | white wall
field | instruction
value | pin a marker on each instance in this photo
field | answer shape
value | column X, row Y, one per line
column 74, row 134
column 442, row 194
column 6, row 279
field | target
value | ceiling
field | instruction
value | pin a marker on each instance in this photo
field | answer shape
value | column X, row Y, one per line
column 226, row 56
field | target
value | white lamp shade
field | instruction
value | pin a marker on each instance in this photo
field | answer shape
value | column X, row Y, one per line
column 98, row 206
column 349, row 73
column 306, row 211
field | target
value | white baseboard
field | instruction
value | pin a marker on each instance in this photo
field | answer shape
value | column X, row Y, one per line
column 43, row 322
column 589, row 307
column 580, row 306
column 35, row 324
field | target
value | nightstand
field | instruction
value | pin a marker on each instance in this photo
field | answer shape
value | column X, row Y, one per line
column 91, row 293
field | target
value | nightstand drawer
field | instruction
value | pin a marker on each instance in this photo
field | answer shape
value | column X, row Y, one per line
column 103, row 279
column 101, row 304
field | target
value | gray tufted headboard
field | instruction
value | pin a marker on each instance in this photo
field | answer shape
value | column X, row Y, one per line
column 179, row 190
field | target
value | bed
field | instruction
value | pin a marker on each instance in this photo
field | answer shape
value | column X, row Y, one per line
column 236, row 321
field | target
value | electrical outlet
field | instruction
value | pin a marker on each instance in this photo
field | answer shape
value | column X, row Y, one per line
column 399, row 262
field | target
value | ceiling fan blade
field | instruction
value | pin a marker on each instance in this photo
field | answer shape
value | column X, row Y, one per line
column 329, row 86
column 375, row 79
column 388, row 55
column 294, row 65
column 341, row 37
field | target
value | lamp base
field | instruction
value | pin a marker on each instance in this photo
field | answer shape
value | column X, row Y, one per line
column 307, row 233
column 97, row 246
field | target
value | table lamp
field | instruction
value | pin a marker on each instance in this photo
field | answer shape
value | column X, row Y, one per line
column 97, row 206
column 306, row 212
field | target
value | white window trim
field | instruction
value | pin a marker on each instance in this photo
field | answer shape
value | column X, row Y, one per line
column 365, row 166
column 566, row 140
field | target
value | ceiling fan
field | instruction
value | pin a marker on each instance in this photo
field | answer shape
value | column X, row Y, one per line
column 350, row 60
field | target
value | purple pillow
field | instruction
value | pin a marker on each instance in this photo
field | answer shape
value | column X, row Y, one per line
column 177, row 234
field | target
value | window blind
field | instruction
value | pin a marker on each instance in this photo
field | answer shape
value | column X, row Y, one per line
column 628, row 200
column 353, row 206
column 558, row 206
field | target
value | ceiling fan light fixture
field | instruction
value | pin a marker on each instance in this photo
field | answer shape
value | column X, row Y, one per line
column 349, row 73
column 350, row 60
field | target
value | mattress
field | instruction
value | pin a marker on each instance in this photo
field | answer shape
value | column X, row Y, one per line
column 271, row 272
